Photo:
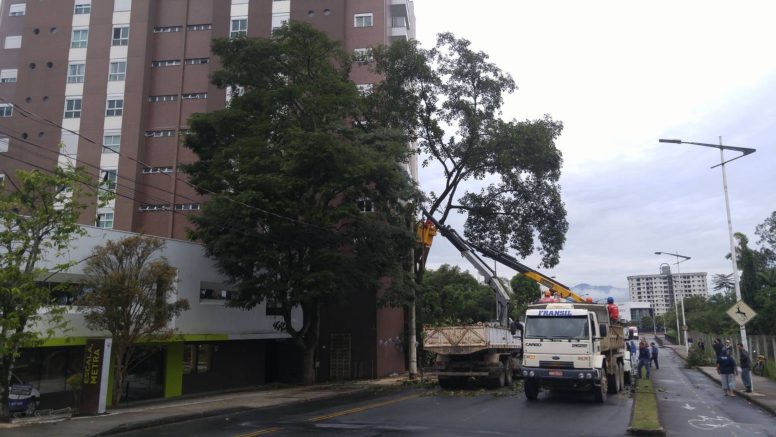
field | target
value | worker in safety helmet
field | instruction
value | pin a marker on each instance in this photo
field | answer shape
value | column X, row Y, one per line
column 547, row 297
column 614, row 312
column 588, row 299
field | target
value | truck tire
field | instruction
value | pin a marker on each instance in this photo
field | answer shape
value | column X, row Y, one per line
column 611, row 384
column 599, row 393
column 531, row 388
column 500, row 380
column 626, row 377
column 510, row 372
column 620, row 377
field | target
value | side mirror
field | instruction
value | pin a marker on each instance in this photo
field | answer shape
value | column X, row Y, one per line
column 602, row 330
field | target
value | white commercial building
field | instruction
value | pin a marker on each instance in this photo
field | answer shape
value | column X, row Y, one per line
column 663, row 289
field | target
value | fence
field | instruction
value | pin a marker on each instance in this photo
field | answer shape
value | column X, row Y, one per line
column 763, row 344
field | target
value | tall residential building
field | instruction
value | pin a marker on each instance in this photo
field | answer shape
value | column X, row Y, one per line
column 663, row 289
column 110, row 85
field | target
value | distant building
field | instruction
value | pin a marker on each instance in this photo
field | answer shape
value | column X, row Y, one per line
column 663, row 289
column 634, row 311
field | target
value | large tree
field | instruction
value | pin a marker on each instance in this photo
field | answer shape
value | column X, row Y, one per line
column 501, row 174
column 38, row 220
column 305, row 206
column 133, row 298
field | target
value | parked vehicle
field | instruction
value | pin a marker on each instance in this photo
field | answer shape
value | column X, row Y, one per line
column 572, row 347
column 22, row 397
column 633, row 333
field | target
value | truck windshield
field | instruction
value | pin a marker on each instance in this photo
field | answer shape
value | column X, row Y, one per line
column 557, row 327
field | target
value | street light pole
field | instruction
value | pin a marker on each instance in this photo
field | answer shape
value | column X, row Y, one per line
column 678, row 272
column 744, row 151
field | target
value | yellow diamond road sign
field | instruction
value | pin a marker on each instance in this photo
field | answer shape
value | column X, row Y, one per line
column 741, row 313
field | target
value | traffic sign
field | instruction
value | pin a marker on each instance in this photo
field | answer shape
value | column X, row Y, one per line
column 741, row 313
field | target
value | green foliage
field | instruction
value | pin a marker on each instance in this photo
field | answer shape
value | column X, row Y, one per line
column 525, row 291
column 723, row 282
column 287, row 172
column 132, row 298
column 38, row 220
column 448, row 99
column 451, row 296
column 696, row 358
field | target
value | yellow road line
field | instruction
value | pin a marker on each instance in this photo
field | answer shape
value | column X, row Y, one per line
column 260, row 432
column 359, row 409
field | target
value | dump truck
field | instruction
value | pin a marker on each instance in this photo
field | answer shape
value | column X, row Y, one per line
column 572, row 346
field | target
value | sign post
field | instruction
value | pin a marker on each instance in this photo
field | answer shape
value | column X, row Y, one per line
column 94, row 377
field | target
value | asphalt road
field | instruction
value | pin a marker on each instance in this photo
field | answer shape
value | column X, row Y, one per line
column 422, row 412
column 691, row 404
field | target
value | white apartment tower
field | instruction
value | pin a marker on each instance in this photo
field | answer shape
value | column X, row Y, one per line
column 663, row 289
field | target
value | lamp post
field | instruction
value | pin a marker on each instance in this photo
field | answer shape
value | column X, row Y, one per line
column 744, row 151
column 678, row 272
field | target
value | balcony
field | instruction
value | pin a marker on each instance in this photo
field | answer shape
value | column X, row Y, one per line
column 400, row 20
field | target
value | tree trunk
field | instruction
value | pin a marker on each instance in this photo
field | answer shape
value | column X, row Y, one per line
column 119, row 376
column 309, row 365
column 5, row 376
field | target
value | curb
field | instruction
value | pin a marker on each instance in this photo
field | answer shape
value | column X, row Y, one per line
column 171, row 419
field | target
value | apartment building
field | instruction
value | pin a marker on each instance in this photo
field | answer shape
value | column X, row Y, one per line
column 110, row 85
column 663, row 289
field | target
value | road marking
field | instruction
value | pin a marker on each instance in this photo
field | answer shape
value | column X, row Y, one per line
column 260, row 432
column 360, row 409
column 688, row 407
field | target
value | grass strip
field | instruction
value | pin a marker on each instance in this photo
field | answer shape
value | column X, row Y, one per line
column 645, row 419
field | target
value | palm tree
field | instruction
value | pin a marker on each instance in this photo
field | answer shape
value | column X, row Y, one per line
column 723, row 282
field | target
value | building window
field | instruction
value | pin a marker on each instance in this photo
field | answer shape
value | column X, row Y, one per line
column 105, row 220
column 108, row 180
column 363, row 56
column 167, row 29
column 17, row 10
column 80, row 38
column 13, row 42
column 197, row 61
column 186, row 206
column 364, row 88
column 6, row 110
column 122, row 5
column 194, row 96
column 111, row 143
column 159, row 133
column 73, row 108
column 362, row 20
column 115, row 108
column 239, row 28
column 198, row 27
column 365, row 205
column 4, row 142
column 166, row 63
column 147, row 208
column 83, row 9
column 167, row 98
column 153, row 170
column 120, row 36
column 118, row 71
column 8, row 76
column 75, row 73
column 197, row 358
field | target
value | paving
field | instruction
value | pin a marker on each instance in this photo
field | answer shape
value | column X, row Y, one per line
column 177, row 410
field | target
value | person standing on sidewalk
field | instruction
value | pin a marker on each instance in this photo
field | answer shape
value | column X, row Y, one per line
column 726, row 368
column 643, row 358
column 746, row 367
column 653, row 348
column 717, row 345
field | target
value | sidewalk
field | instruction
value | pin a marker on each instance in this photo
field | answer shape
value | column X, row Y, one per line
column 764, row 389
column 171, row 411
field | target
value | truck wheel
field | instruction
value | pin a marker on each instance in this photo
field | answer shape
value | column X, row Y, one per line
column 531, row 388
column 509, row 376
column 611, row 384
column 499, row 380
column 620, row 377
column 600, row 392
column 32, row 405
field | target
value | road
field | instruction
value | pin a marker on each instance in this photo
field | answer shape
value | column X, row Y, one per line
column 691, row 404
column 422, row 412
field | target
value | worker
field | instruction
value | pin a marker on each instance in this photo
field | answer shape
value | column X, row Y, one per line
column 555, row 297
column 588, row 299
column 614, row 312
column 547, row 298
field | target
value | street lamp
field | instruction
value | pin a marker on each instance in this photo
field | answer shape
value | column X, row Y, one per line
column 678, row 272
column 745, row 151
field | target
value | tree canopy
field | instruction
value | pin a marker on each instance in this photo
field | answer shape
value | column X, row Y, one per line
column 305, row 205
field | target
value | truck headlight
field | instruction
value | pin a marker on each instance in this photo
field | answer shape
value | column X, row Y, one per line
column 531, row 374
column 589, row 375
column 525, row 373
column 581, row 375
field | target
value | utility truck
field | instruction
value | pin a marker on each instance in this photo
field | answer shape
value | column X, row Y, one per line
column 572, row 346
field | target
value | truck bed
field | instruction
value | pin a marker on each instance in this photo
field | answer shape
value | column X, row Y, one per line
column 467, row 339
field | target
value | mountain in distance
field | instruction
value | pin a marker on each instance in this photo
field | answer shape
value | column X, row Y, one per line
column 601, row 292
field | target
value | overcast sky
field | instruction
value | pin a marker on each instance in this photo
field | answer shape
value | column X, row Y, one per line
column 621, row 75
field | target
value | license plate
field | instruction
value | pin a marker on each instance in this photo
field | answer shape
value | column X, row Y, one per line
column 556, row 373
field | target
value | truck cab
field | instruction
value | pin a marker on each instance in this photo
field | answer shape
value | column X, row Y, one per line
column 571, row 347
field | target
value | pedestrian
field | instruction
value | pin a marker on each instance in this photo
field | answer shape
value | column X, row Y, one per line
column 643, row 358
column 717, row 345
column 729, row 348
column 746, row 367
column 702, row 346
column 654, row 355
column 633, row 351
column 726, row 368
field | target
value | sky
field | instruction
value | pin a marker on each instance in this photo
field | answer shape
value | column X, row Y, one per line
column 621, row 75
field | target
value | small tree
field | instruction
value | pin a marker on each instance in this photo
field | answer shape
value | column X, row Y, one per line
column 37, row 221
column 133, row 299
